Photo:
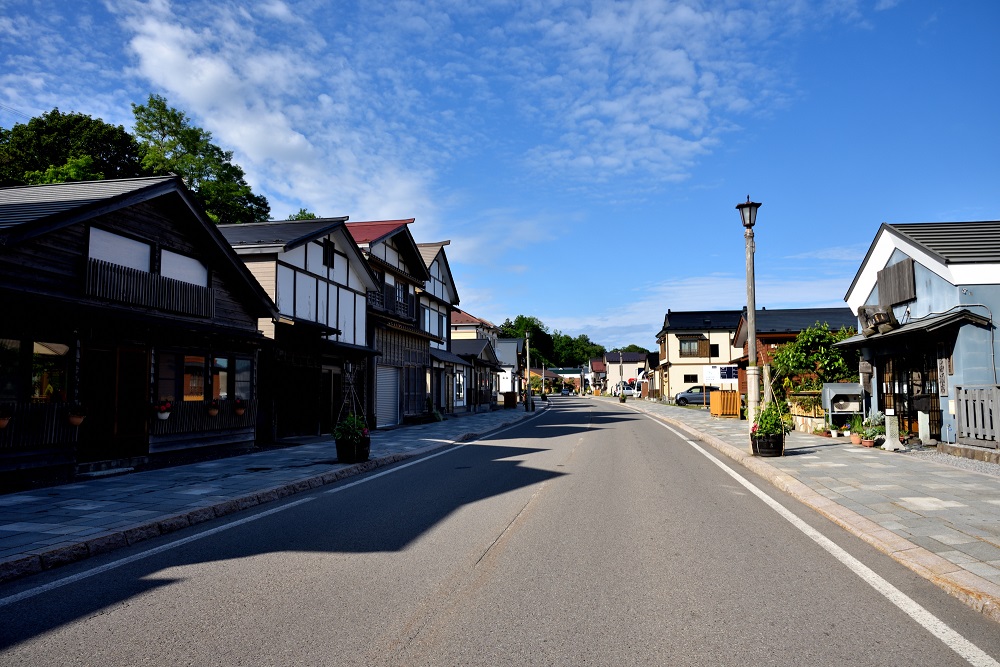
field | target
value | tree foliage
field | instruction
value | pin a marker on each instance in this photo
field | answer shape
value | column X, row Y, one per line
column 811, row 359
column 172, row 144
column 303, row 214
column 542, row 348
column 574, row 352
column 58, row 146
column 631, row 348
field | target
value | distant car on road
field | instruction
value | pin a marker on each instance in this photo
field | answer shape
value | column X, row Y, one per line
column 565, row 391
column 698, row 395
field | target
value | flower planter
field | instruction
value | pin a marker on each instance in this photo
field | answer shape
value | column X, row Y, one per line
column 768, row 445
column 163, row 416
column 4, row 421
column 855, row 439
column 865, row 442
column 239, row 411
column 213, row 412
column 76, row 420
column 350, row 451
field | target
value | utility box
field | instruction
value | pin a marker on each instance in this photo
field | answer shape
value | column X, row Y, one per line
column 842, row 398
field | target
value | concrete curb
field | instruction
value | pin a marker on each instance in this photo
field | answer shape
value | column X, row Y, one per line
column 974, row 591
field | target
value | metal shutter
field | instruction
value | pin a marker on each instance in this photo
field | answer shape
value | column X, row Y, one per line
column 387, row 400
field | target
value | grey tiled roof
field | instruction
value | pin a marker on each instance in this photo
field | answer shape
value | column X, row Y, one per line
column 284, row 233
column 24, row 204
column 954, row 242
column 795, row 320
column 702, row 320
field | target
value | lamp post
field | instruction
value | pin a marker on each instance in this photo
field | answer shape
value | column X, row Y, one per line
column 527, row 371
column 748, row 213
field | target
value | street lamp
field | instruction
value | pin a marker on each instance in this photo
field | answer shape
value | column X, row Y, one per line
column 748, row 213
column 527, row 373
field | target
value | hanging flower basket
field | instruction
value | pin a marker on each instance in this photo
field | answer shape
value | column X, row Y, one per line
column 353, row 440
column 163, row 409
column 76, row 414
column 213, row 408
column 6, row 414
column 239, row 407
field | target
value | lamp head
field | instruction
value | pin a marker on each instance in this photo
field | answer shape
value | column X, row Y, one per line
column 748, row 212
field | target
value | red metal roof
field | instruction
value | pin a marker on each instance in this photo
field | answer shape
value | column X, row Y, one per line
column 369, row 232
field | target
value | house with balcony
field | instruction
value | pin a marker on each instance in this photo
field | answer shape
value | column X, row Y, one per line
column 437, row 301
column 692, row 343
column 317, row 366
column 403, row 347
column 924, row 296
column 124, row 305
column 596, row 375
column 474, row 339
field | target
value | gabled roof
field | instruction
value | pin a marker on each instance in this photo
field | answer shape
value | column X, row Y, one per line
column 283, row 234
column 371, row 233
column 920, row 327
column 793, row 320
column 598, row 366
column 430, row 252
column 954, row 242
column 626, row 357
column 963, row 253
column 700, row 320
column 30, row 211
column 508, row 349
column 461, row 318
column 478, row 349
column 65, row 202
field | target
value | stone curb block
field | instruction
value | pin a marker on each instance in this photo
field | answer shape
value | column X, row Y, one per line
column 967, row 587
column 63, row 555
column 106, row 543
column 19, row 567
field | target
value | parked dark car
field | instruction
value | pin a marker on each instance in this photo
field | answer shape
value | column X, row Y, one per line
column 698, row 395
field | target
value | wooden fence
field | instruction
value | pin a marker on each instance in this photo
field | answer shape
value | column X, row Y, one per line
column 975, row 407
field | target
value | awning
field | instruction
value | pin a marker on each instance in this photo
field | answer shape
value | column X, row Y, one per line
column 446, row 357
column 924, row 325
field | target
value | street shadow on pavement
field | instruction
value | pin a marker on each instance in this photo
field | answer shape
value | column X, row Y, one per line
column 385, row 514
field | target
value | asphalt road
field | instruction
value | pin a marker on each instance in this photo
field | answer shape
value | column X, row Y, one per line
column 590, row 535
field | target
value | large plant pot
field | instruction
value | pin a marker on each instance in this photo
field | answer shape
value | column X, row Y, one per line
column 865, row 442
column 349, row 451
column 768, row 445
column 855, row 439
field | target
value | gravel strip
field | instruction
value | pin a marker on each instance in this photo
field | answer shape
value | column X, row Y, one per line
column 958, row 462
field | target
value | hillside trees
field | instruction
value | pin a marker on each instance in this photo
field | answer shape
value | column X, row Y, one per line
column 555, row 349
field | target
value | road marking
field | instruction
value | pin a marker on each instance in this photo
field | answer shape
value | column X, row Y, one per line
column 65, row 581
column 956, row 642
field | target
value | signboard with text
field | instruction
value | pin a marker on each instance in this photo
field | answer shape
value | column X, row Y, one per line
column 713, row 374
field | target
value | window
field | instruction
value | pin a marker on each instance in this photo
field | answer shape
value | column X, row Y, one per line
column 119, row 250
column 194, row 378
column 220, row 378
column 10, row 369
column 185, row 269
column 689, row 347
column 166, row 380
column 690, row 378
column 48, row 372
column 460, row 386
column 713, row 350
column 243, row 378
column 329, row 254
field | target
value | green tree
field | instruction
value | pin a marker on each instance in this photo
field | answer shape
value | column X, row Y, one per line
column 303, row 214
column 542, row 349
column 60, row 146
column 171, row 144
column 573, row 352
column 811, row 359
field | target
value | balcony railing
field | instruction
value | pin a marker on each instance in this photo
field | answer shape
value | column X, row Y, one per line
column 141, row 288
column 977, row 409
column 387, row 302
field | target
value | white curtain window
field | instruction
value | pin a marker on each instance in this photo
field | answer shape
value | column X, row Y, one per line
column 183, row 268
column 119, row 250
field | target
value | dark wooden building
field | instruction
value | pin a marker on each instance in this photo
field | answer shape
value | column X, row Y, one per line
column 121, row 296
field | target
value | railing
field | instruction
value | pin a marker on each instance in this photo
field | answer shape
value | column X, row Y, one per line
column 193, row 416
column 975, row 407
column 36, row 426
column 387, row 302
column 141, row 288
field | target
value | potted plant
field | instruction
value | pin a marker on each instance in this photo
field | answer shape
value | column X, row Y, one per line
column 239, row 407
column 834, row 431
column 163, row 409
column 213, row 407
column 857, row 427
column 76, row 413
column 767, row 436
column 6, row 414
column 353, row 439
column 874, row 427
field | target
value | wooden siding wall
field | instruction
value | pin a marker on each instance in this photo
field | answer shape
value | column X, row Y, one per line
column 897, row 283
column 55, row 264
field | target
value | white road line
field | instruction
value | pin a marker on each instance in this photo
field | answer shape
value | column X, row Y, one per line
column 65, row 581
column 956, row 642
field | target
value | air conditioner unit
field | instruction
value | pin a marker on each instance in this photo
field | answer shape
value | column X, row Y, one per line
column 846, row 404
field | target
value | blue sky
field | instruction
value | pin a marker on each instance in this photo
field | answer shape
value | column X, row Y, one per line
column 583, row 158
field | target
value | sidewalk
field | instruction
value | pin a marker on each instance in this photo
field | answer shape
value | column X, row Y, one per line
column 941, row 521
